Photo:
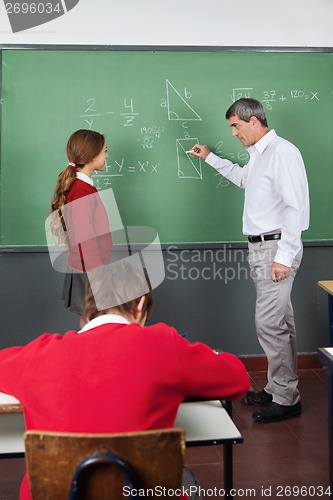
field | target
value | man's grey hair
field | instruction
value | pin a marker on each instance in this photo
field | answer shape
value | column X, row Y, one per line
column 245, row 108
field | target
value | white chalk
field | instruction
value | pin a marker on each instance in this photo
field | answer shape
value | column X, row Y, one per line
column 189, row 151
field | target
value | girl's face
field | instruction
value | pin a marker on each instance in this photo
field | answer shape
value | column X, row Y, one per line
column 99, row 161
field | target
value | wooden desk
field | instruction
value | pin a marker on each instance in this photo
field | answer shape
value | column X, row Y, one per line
column 325, row 355
column 205, row 423
column 328, row 287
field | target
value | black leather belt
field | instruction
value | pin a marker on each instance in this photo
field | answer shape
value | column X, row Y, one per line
column 264, row 237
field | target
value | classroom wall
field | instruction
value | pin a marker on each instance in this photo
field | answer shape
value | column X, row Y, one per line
column 219, row 310
column 300, row 23
column 207, row 294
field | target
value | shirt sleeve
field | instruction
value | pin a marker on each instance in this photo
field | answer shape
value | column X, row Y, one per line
column 231, row 171
column 212, row 375
column 291, row 182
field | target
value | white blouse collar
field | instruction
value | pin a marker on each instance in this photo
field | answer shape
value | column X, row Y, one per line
column 103, row 320
column 85, row 178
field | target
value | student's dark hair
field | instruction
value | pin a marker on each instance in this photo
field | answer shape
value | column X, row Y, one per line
column 117, row 287
column 82, row 147
column 245, row 108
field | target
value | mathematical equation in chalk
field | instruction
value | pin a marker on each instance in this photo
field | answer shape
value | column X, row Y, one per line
column 128, row 116
column 180, row 106
column 128, row 113
column 270, row 97
column 103, row 180
column 242, row 155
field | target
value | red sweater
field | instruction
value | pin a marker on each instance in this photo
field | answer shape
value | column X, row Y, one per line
column 88, row 228
column 114, row 378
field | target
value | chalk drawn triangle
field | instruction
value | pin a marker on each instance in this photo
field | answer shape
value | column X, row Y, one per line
column 189, row 167
column 178, row 107
column 30, row 13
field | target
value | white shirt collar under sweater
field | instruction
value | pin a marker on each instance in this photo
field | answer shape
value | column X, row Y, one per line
column 103, row 320
column 85, row 178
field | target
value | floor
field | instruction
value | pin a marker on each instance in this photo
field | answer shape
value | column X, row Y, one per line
column 277, row 461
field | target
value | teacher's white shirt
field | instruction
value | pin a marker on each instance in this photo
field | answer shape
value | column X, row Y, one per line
column 276, row 192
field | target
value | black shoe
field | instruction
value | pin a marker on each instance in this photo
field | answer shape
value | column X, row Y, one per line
column 275, row 412
column 261, row 398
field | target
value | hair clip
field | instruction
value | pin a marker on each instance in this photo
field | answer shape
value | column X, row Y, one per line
column 71, row 164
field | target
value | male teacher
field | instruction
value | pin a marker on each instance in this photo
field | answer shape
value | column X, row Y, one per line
column 276, row 211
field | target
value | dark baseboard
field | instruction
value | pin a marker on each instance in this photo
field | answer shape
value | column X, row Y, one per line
column 259, row 363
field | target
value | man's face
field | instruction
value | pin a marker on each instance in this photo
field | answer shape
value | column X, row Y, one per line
column 245, row 131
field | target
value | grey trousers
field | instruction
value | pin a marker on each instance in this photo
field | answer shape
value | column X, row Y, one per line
column 275, row 325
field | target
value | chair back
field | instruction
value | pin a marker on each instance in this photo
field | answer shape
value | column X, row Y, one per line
column 72, row 466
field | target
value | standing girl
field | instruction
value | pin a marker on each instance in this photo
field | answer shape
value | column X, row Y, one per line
column 80, row 219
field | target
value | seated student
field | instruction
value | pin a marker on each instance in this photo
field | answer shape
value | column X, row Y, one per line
column 115, row 375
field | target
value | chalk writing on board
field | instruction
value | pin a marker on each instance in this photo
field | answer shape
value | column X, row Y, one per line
column 90, row 112
column 241, row 92
column 149, row 135
column 119, row 168
column 241, row 157
column 189, row 167
column 271, row 96
column 177, row 106
column 222, row 181
column 128, row 113
column 300, row 94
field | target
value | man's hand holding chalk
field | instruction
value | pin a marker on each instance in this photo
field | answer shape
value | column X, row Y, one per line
column 199, row 151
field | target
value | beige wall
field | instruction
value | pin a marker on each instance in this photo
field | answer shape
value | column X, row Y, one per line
column 283, row 23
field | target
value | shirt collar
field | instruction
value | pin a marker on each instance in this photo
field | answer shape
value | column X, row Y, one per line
column 85, row 178
column 103, row 320
column 262, row 144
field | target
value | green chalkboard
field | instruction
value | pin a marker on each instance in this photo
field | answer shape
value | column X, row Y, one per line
column 151, row 106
